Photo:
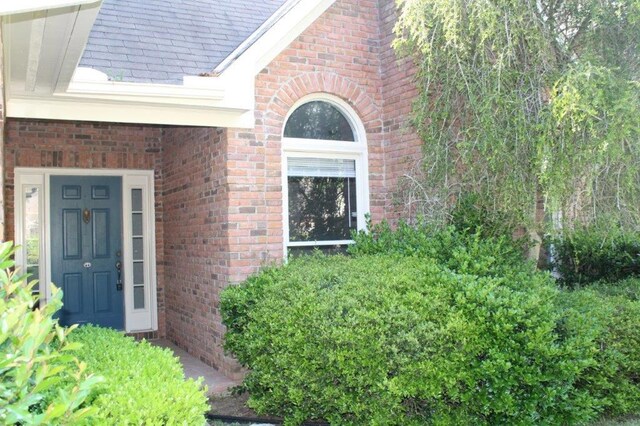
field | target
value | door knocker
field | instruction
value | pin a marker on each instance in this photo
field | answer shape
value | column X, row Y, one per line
column 86, row 215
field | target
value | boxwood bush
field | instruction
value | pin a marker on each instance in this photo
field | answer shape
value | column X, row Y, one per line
column 454, row 248
column 611, row 314
column 144, row 384
column 381, row 339
column 595, row 254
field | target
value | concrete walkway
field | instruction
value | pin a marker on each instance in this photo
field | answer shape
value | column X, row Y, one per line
column 217, row 382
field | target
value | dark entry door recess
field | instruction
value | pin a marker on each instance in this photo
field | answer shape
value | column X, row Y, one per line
column 86, row 246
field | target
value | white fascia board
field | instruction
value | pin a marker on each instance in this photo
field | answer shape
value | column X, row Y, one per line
column 13, row 7
column 83, row 109
column 278, row 37
column 145, row 92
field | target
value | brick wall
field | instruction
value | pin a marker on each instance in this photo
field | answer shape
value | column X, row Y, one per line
column 337, row 54
column 46, row 143
column 223, row 188
column 197, row 223
column 402, row 147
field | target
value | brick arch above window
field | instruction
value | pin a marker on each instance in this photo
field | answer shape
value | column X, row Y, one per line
column 296, row 88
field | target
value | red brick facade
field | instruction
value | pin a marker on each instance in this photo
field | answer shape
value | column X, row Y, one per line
column 219, row 210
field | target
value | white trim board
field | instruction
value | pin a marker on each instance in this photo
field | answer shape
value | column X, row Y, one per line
column 139, row 320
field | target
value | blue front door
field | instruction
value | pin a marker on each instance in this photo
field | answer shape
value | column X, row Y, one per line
column 86, row 248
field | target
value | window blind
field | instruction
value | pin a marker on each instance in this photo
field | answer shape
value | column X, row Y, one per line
column 321, row 167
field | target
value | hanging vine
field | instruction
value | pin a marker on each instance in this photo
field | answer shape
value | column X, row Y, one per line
column 528, row 100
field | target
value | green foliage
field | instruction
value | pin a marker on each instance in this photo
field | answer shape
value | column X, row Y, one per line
column 528, row 100
column 382, row 339
column 459, row 250
column 143, row 384
column 590, row 152
column 613, row 319
column 41, row 382
column 590, row 254
column 471, row 216
column 629, row 289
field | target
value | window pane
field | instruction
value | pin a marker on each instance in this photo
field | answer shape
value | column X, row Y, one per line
column 136, row 224
column 137, row 249
column 321, row 208
column 136, row 200
column 138, row 297
column 138, row 273
column 32, row 229
column 318, row 120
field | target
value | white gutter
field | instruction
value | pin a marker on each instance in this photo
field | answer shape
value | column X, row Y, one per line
column 12, row 7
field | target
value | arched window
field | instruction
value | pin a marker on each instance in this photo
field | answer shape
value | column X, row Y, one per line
column 318, row 120
column 325, row 182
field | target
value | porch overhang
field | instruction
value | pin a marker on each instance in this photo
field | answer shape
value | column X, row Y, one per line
column 43, row 41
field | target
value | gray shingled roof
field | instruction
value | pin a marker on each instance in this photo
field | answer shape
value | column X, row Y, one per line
column 159, row 41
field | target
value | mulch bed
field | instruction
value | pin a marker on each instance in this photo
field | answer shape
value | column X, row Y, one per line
column 235, row 407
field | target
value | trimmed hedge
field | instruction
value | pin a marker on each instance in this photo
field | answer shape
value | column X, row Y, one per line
column 588, row 255
column 143, row 384
column 379, row 339
column 460, row 251
column 611, row 314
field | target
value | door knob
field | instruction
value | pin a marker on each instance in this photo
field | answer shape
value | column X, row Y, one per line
column 87, row 264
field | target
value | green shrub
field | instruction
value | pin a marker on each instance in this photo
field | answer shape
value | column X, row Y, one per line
column 612, row 314
column 143, row 384
column 471, row 215
column 40, row 381
column 458, row 250
column 629, row 288
column 592, row 254
column 399, row 340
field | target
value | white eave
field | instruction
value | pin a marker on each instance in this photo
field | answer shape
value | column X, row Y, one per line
column 43, row 47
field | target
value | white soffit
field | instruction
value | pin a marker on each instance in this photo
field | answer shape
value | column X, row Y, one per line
column 12, row 7
column 42, row 50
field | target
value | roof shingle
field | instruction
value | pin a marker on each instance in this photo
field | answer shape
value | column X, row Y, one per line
column 160, row 41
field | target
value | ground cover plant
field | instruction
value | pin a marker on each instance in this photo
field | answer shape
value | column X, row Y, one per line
column 143, row 384
column 41, row 381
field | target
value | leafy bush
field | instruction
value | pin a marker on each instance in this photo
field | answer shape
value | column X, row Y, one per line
column 471, row 215
column 612, row 315
column 143, row 384
column 458, row 250
column 378, row 339
column 629, row 289
column 40, row 381
column 588, row 255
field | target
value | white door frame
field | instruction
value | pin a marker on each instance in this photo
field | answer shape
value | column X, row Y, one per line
column 136, row 320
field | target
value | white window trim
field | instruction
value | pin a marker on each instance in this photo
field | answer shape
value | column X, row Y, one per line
column 314, row 148
column 139, row 320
